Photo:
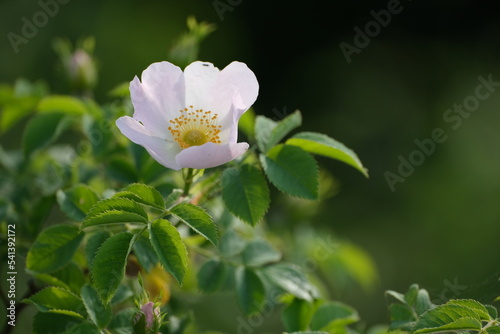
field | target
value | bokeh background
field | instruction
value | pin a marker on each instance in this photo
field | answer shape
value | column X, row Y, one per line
column 441, row 225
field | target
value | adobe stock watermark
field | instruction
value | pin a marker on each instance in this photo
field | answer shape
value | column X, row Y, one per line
column 279, row 115
column 372, row 29
column 222, row 6
column 30, row 26
column 427, row 146
column 452, row 290
column 322, row 251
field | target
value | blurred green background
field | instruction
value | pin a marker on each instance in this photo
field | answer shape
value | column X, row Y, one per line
column 442, row 224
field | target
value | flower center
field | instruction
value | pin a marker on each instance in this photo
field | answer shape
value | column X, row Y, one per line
column 195, row 127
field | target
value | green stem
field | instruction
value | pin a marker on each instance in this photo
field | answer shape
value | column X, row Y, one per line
column 488, row 325
column 188, row 180
column 137, row 235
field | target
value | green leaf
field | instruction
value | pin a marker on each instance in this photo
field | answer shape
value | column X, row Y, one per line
column 94, row 243
column 297, row 315
column 52, row 281
column 250, row 291
column 113, row 217
column 423, row 301
column 492, row 311
column 283, row 128
column 198, row 220
column 171, row 251
column 53, row 248
column 143, row 194
column 231, row 244
column 292, row 170
column 115, row 210
column 460, row 324
column 211, row 276
column 120, row 90
column 14, row 107
column 62, row 103
column 495, row 329
column 245, row 193
column 258, row 253
column 411, row 295
column 246, row 123
column 108, row 267
column 118, row 204
column 145, row 253
column 402, row 317
column 77, row 201
column 48, row 323
column 263, row 129
column 454, row 315
column 42, row 130
column 270, row 133
column 57, row 299
column 333, row 315
column 98, row 312
column 72, row 276
column 321, row 144
column 290, row 278
column 398, row 296
column 479, row 308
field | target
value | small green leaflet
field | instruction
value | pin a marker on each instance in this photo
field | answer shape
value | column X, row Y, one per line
column 71, row 275
column 143, row 194
column 94, row 242
column 98, row 312
column 297, row 315
column 290, row 278
column 77, row 201
column 333, row 315
column 171, row 251
column 246, row 123
column 269, row 133
column 250, row 291
column 53, row 248
column 42, row 130
column 108, row 267
column 115, row 210
column 63, row 104
column 292, row 170
column 197, row 219
column 59, row 301
column 211, row 276
column 258, row 253
column 455, row 315
column 321, row 144
column 145, row 253
column 245, row 193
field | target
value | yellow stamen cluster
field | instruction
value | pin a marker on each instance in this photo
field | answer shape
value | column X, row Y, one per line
column 195, row 127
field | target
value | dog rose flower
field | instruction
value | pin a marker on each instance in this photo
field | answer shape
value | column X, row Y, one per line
column 190, row 119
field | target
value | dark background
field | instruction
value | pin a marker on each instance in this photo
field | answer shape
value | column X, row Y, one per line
column 442, row 223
